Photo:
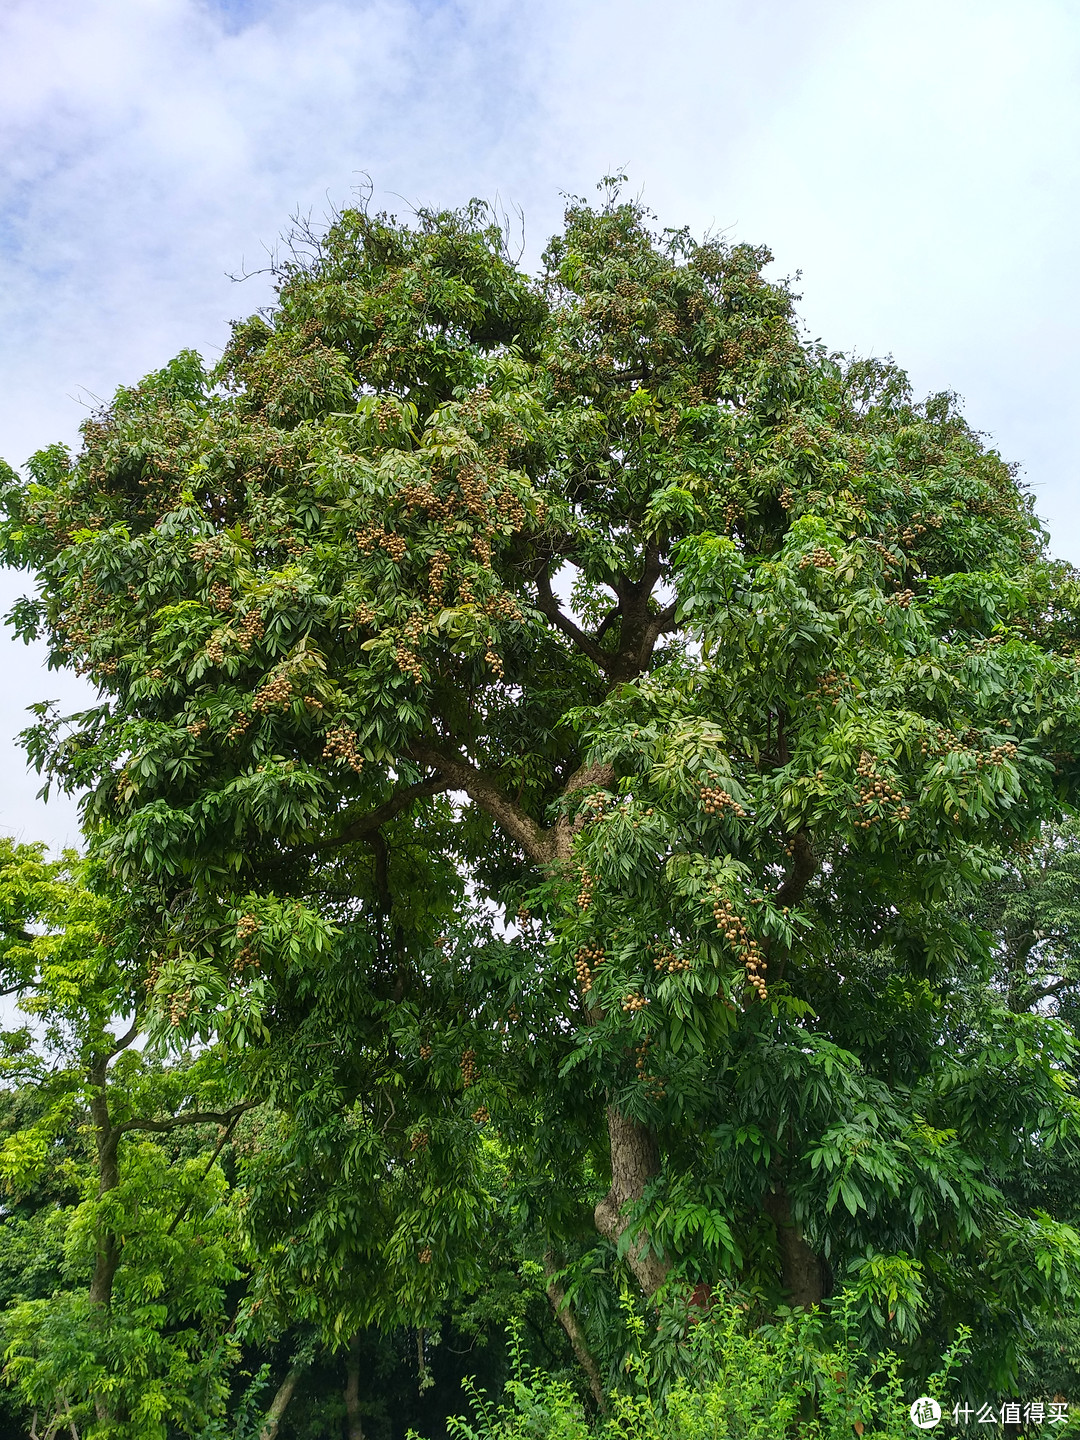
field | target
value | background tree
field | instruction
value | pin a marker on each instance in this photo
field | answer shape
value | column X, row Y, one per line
column 131, row 1331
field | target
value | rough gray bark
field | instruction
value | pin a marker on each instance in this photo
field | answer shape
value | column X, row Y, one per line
column 635, row 1160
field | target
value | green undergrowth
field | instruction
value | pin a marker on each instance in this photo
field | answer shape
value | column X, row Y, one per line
column 790, row 1380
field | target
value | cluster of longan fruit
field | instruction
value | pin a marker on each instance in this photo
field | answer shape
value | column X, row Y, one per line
column 634, row 1002
column 997, row 754
column 875, row 791
column 903, row 599
column 671, row 963
column 197, row 728
column 501, row 606
column 819, row 559
column 733, row 928
column 251, row 629
column 215, row 651
column 422, row 497
column 585, row 892
column 374, row 537
column 754, row 960
column 589, row 957
column 239, row 726
column 221, row 596
column 418, row 1140
column 715, row 801
column 437, row 579
column 830, row 684
column 386, row 414
column 729, row 922
column 179, row 1005
column 594, row 806
column 946, row 742
column 343, row 744
column 205, row 552
column 274, row 693
column 247, row 927
column 481, row 1115
column 468, row 1068
column 408, row 662
column 641, row 1065
column 915, row 529
column 474, row 489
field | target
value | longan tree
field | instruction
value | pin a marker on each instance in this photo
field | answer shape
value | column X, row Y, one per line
column 702, row 669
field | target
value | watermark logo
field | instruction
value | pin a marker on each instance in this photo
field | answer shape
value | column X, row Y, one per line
column 925, row 1412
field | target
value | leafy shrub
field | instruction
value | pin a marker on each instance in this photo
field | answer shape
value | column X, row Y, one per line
column 789, row 1379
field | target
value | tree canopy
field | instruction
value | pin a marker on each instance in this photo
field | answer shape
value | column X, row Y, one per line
column 572, row 723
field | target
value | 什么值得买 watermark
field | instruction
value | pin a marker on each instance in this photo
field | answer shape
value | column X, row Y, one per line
column 926, row 1413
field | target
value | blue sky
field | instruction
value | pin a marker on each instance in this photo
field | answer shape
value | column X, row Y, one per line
column 917, row 162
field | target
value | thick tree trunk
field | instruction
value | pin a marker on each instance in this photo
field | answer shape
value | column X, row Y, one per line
column 280, row 1403
column 802, row 1273
column 635, row 1160
column 354, row 1428
column 567, row 1318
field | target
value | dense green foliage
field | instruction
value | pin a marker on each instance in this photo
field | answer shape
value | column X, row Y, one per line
column 576, row 795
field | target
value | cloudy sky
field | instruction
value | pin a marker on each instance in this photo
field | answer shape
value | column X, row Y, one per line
column 916, row 160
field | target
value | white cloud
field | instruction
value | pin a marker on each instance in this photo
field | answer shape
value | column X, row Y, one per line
column 917, row 160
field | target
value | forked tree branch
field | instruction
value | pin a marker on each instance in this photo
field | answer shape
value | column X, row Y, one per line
column 374, row 820
column 458, row 773
column 550, row 608
column 804, row 866
column 661, row 624
column 187, row 1117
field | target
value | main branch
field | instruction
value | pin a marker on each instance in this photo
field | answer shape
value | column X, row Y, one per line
column 369, row 824
column 458, row 773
